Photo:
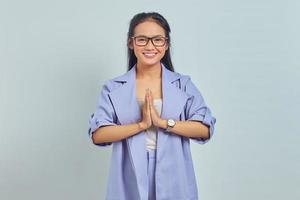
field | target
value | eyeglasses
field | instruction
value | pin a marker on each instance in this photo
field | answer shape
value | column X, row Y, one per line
column 157, row 41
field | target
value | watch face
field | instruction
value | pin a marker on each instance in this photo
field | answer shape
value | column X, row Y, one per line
column 171, row 122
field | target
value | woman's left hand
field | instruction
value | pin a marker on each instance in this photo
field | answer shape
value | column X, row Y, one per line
column 156, row 120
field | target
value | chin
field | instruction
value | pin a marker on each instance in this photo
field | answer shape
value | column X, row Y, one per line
column 147, row 63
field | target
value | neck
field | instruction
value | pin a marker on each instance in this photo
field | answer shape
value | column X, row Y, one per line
column 148, row 72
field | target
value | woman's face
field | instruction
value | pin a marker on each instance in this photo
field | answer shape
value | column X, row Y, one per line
column 148, row 55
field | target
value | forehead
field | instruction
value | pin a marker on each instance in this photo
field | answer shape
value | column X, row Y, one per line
column 149, row 28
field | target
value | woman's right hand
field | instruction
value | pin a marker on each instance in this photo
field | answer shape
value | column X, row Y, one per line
column 146, row 115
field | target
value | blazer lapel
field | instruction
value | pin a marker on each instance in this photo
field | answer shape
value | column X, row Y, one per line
column 128, row 111
column 174, row 100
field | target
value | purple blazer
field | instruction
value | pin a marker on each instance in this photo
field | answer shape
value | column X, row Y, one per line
column 175, row 176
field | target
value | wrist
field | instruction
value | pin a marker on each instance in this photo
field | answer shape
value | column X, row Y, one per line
column 163, row 124
column 142, row 126
column 170, row 125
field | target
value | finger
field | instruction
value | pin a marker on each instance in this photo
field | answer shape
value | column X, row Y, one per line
column 146, row 95
column 149, row 100
column 150, row 97
column 146, row 102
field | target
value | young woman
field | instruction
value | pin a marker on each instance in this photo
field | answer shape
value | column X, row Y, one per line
column 149, row 114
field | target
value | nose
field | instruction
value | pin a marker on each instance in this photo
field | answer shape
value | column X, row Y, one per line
column 149, row 45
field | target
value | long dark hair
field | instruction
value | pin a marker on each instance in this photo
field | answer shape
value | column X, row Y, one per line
column 160, row 20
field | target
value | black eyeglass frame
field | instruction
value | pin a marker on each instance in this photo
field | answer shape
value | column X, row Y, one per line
column 150, row 38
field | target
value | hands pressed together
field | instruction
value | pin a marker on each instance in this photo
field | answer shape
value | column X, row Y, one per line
column 149, row 113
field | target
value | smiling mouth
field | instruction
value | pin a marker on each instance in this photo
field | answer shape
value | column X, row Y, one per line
column 149, row 55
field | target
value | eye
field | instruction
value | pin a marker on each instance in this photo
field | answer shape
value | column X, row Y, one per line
column 159, row 39
column 141, row 39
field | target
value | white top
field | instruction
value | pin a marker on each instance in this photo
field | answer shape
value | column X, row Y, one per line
column 151, row 133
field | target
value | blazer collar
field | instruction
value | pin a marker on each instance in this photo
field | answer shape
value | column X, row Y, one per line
column 167, row 75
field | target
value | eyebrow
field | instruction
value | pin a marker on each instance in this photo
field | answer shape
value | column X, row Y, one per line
column 151, row 36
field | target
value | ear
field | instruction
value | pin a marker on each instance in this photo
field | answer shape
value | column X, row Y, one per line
column 129, row 44
column 167, row 46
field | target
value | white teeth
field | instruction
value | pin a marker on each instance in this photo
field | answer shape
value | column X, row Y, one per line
column 149, row 54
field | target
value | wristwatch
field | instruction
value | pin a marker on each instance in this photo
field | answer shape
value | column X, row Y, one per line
column 171, row 123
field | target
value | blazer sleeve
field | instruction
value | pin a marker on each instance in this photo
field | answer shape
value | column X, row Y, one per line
column 197, row 110
column 104, row 114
